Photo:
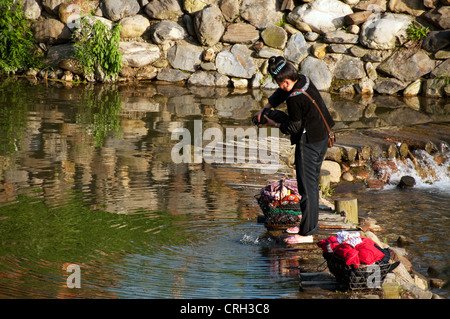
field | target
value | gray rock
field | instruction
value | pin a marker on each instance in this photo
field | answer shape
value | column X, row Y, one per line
column 208, row 25
column 440, row 17
column 357, row 18
column 236, row 62
column 383, row 31
column 266, row 53
column 389, row 86
column 241, row 33
column 138, row 54
column 164, row 9
column 443, row 69
column 172, row 75
column 51, row 31
column 256, row 80
column 167, row 31
column 371, row 58
column 203, row 78
column 357, row 51
column 407, row 65
column 57, row 53
column 371, row 5
column 119, row 9
column 51, row 6
column 296, row 49
column 230, row 9
column 185, row 56
column 340, row 36
column 434, row 87
column 311, row 36
column 321, row 15
column 337, row 48
column 413, row 7
column 260, row 13
column 192, row 6
column 71, row 65
column 32, row 9
column 318, row 72
column 274, row 36
column 436, row 40
column 349, row 68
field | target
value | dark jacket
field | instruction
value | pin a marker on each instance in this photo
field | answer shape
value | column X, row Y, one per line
column 303, row 114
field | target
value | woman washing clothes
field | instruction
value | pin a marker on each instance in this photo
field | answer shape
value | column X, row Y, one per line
column 307, row 132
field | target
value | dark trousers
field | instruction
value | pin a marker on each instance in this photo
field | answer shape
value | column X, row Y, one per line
column 308, row 161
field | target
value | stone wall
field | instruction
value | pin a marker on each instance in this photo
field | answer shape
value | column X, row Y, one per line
column 349, row 46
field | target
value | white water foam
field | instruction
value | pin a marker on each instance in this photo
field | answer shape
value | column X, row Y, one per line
column 427, row 171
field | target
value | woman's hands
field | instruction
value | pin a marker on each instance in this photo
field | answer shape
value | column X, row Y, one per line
column 270, row 122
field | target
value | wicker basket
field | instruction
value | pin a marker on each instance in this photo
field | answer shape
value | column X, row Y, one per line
column 281, row 217
column 363, row 277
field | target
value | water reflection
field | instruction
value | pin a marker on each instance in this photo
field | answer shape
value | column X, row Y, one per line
column 86, row 176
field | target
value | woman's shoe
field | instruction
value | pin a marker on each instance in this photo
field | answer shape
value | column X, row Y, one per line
column 297, row 239
column 293, row 230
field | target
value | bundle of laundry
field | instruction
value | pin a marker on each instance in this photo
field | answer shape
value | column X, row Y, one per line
column 280, row 193
column 353, row 249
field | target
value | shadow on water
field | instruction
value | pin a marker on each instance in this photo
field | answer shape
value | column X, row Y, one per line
column 87, row 177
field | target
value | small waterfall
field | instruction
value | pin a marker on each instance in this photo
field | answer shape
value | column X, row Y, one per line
column 428, row 170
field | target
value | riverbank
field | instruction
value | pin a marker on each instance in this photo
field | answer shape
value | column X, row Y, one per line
column 367, row 47
column 404, row 282
column 370, row 160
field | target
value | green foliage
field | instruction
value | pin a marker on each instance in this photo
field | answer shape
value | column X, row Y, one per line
column 97, row 48
column 99, row 113
column 417, row 33
column 16, row 39
column 14, row 107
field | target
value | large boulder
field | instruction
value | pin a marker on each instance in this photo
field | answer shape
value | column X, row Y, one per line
column 57, row 53
column 274, row 36
column 436, row 40
column 349, row 68
column 240, row 33
column 236, row 62
column 51, row 31
column 133, row 27
column 119, row 9
column 296, row 49
column 389, row 86
column 440, row 17
column 31, row 9
column 167, row 31
column 208, row 25
column 203, row 78
column 321, row 15
column 318, row 72
column 163, row 9
column 382, row 31
column 138, row 54
column 230, row 9
column 185, row 56
column 172, row 75
column 413, row 7
column 51, row 6
column 407, row 65
column 260, row 13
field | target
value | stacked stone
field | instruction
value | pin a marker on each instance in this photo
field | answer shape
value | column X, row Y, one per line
column 349, row 46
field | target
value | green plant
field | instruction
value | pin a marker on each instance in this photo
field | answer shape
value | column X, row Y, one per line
column 416, row 33
column 97, row 48
column 444, row 77
column 282, row 22
column 16, row 38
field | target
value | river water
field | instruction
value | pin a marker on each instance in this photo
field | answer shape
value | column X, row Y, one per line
column 89, row 177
